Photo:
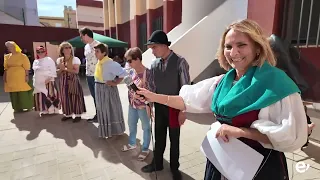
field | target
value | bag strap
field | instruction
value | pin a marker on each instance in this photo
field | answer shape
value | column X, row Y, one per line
column 144, row 78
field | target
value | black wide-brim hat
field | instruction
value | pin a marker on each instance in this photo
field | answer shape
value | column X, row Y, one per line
column 158, row 37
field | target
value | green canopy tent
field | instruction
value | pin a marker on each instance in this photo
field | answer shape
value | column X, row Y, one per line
column 76, row 41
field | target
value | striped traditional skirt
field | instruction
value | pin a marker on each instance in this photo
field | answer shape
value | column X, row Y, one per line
column 49, row 104
column 109, row 110
column 72, row 98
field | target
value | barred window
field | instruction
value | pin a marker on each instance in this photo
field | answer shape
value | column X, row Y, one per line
column 303, row 22
column 142, row 36
column 157, row 24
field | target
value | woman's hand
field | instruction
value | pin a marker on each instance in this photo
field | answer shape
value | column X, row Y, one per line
column 182, row 117
column 135, row 95
column 148, row 95
column 225, row 132
column 62, row 67
column 47, row 81
column 150, row 112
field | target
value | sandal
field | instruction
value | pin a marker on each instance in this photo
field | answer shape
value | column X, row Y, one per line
column 128, row 147
column 142, row 156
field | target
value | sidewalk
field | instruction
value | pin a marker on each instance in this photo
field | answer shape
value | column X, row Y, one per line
column 33, row 148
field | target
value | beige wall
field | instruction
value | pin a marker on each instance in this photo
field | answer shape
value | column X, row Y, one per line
column 125, row 11
column 111, row 11
column 106, row 14
column 51, row 49
column 141, row 7
column 137, row 7
column 90, row 14
column 53, row 22
column 154, row 4
column 70, row 18
column 117, row 11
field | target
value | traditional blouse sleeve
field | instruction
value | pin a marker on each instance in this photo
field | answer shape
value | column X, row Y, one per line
column 25, row 62
column 52, row 68
column 284, row 123
column 198, row 97
column 76, row 61
column 58, row 61
column 35, row 65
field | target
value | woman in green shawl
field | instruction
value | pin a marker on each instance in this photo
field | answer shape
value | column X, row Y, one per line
column 254, row 101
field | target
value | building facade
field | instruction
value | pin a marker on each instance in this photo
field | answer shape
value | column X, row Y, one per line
column 49, row 21
column 69, row 20
column 7, row 19
column 133, row 21
column 22, row 10
column 70, row 17
column 90, row 14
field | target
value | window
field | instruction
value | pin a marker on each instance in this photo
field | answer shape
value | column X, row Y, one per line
column 58, row 25
column 142, row 39
column 157, row 24
column 114, row 35
column 303, row 22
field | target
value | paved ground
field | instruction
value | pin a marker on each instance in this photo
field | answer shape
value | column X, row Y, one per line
column 33, row 148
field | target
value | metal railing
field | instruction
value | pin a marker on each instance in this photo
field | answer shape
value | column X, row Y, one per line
column 307, row 13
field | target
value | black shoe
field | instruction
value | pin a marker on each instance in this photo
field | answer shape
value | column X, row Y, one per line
column 150, row 168
column 94, row 119
column 76, row 119
column 176, row 175
column 65, row 118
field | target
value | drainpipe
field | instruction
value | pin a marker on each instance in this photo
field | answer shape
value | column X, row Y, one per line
column 23, row 17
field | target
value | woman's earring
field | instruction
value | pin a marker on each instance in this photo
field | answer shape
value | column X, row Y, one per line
column 257, row 56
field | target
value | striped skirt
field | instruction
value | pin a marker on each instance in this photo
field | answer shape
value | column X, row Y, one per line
column 109, row 110
column 49, row 104
column 72, row 98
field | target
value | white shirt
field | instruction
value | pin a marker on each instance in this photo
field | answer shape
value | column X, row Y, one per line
column 91, row 59
column 284, row 122
column 44, row 69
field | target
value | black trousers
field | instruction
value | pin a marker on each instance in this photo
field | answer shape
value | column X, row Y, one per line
column 161, row 127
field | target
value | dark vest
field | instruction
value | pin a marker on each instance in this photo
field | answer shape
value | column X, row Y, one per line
column 167, row 82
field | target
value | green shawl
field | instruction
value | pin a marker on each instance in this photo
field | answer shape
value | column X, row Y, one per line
column 259, row 87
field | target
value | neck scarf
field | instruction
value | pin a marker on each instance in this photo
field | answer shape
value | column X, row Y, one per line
column 258, row 88
column 41, row 48
column 16, row 47
column 98, row 74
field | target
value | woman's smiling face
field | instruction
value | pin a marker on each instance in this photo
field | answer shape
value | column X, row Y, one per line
column 239, row 50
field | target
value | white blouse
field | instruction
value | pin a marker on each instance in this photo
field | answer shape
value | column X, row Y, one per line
column 44, row 69
column 284, row 122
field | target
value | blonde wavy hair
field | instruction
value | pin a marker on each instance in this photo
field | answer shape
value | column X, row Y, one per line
column 255, row 33
column 63, row 45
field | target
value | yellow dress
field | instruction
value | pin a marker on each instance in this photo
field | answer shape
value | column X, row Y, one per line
column 15, row 66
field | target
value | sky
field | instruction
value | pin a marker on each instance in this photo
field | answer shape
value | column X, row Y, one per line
column 54, row 7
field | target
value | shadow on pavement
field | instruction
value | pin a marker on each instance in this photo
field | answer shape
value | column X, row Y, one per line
column 109, row 149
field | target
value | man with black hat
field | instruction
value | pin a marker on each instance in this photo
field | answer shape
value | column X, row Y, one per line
column 169, row 72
